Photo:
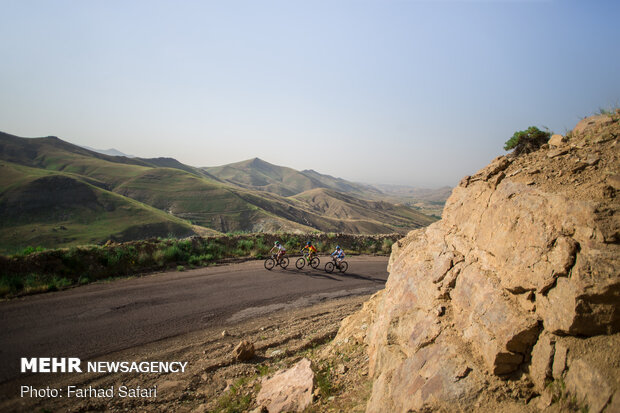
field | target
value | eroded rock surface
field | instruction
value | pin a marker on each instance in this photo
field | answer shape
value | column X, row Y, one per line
column 479, row 306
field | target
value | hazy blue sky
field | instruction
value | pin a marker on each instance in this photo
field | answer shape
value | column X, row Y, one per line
column 407, row 92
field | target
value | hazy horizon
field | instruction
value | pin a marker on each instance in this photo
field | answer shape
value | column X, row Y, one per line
column 415, row 93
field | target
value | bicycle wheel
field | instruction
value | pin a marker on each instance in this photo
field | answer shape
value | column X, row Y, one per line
column 284, row 262
column 344, row 266
column 270, row 263
column 329, row 267
column 315, row 262
column 300, row 263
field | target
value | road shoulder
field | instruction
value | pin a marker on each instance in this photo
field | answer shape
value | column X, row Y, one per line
column 212, row 379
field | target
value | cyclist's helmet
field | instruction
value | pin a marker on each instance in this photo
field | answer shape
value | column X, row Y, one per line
column 276, row 243
column 337, row 247
column 308, row 243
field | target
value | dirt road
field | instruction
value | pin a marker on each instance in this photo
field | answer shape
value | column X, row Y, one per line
column 98, row 319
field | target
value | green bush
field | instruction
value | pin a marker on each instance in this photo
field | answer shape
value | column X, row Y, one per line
column 119, row 256
column 144, row 258
column 387, row 245
column 174, row 253
column 245, row 244
column 527, row 141
column 30, row 250
column 57, row 283
column 72, row 259
column 31, row 283
column 10, row 284
column 238, row 252
column 158, row 257
column 324, row 380
column 195, row 260
column 293, row 243
column 215, row 250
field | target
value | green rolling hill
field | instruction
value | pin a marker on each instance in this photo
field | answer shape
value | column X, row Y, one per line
column 342, row 206
column 48, row 208
column 53, row 193
column 341, row 185
column 202, row 201
column 259, row 175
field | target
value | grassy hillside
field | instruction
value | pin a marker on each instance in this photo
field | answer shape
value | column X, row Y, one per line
column 203, row 202
column 260, row 175
column 55, row 194
column 183, row 192
column 331, row 211
column 346, row 207
column 256, row 174
column 51, row 209
column 427, row 201
column 341, row 185
column 54, row 154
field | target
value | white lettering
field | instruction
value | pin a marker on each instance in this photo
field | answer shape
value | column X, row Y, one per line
column 50, row 365
column 29, row 391
column 58, row 365
column 74, row 365
column 44, row 365
column 29, row 365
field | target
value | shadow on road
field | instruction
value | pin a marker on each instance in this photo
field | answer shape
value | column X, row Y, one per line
column 317, row 274
column 361, row 277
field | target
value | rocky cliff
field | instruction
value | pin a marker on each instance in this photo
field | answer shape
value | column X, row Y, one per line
column 512, row 300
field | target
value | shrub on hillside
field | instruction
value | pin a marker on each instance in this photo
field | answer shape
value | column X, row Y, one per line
column 386, row 247
column 526, row 141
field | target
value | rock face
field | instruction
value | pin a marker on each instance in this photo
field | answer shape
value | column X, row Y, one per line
column 521, row 271
column 289, row 390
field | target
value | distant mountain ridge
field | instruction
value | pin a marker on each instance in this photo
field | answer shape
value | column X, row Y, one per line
column 111, row 151
column 257, row 174
column 126, row 198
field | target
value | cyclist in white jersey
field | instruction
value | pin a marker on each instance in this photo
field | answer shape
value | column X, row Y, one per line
column 280, row 248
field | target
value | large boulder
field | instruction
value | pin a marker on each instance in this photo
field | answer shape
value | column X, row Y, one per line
column 244, row 351
column 526, row 254
column 288, row 390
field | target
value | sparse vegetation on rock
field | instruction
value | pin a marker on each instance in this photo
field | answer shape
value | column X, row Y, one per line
column 527, row 141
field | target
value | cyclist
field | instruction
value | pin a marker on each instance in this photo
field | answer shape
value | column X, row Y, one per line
column 338, row 255
column 311, row 250
column 280, row 248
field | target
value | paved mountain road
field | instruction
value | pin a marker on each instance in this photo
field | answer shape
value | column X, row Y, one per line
column 97, row 319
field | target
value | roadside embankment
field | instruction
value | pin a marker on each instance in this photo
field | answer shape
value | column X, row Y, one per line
column 50, row 270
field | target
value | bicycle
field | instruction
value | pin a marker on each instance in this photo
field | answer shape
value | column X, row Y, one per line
column 343, row 266
column 301, row 262
column 273, row 261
